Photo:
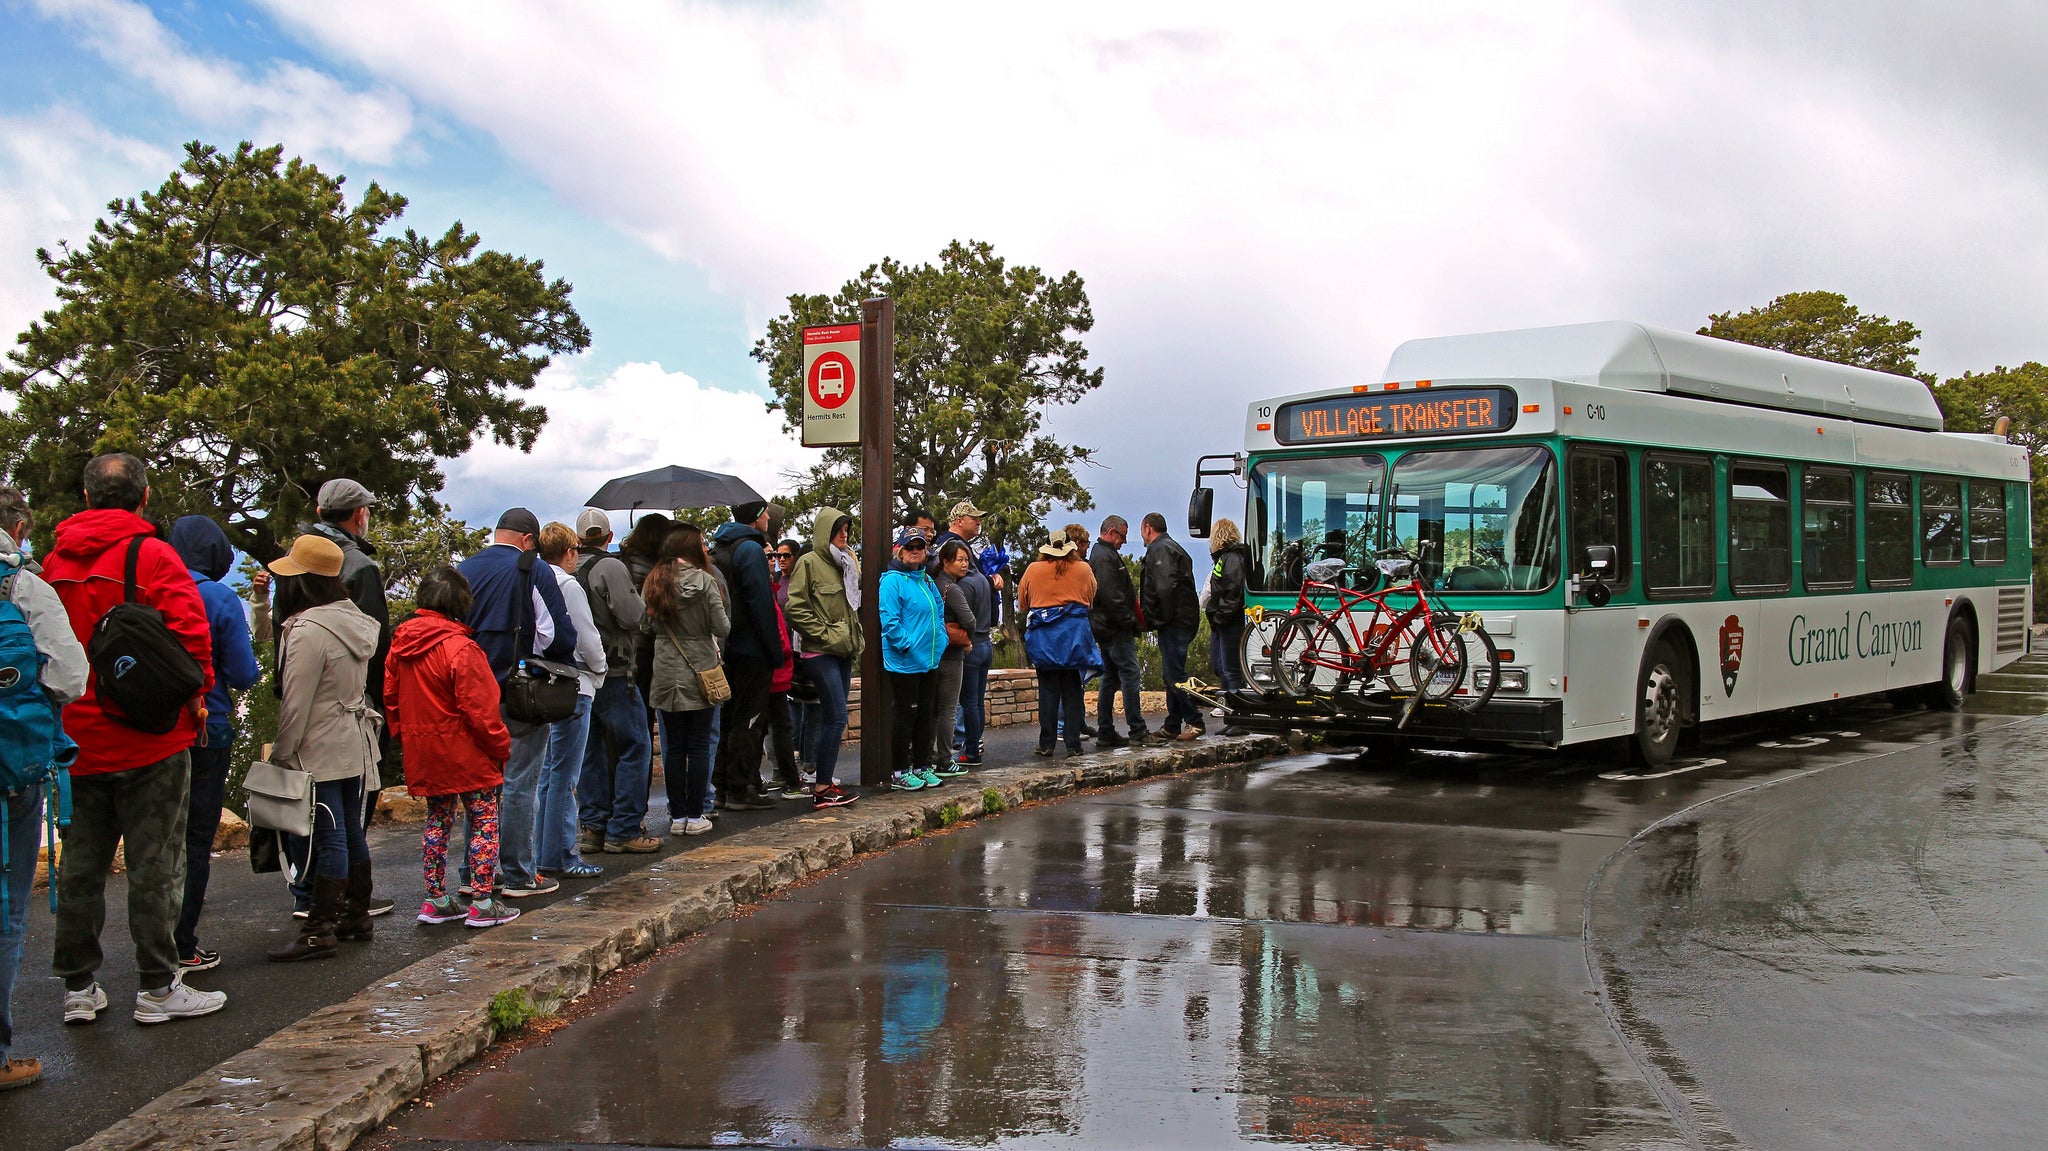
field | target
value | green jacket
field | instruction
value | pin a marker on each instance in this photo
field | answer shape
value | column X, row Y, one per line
column 818, row 608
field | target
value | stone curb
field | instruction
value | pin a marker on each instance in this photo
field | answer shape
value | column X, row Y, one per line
column 320, row 1083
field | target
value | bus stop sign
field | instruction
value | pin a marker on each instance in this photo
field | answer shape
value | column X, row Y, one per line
column 831, row 386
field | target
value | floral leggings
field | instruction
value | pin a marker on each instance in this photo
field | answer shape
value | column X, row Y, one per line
column 482, row 806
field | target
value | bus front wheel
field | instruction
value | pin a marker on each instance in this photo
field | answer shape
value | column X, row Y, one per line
column 1958, row 660
column 1661, row 691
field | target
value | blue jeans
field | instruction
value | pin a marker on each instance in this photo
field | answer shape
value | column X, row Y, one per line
column 612, row 791
column 717, row 729
column 24, row 835
column 338, row 839
column 1120, row 670
column 686, row 760
column 519, row 813
column 202, row 820
column 1059, row 698
column 1226, row 645
column 803, row 720
column 559, row 768
column 1173, row 656
column 973, row 713
column 832, row 676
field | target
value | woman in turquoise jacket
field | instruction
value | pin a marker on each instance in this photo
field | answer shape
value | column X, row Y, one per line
column 913, row 638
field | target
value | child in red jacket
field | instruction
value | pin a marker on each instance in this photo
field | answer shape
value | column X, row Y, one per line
column 441, row 700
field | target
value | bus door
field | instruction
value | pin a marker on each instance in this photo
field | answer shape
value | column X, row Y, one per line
column 1600, row 643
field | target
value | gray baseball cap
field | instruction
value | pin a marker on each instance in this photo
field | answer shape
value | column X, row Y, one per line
column 593, row 524
column 344, row 496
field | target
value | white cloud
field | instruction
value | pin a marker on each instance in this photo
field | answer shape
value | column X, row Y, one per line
column 639, row 417
column 311, row 112
column 57, row 172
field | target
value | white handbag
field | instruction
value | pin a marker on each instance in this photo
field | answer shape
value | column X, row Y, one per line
column 280, row 798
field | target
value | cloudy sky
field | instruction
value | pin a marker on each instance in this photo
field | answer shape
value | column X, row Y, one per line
column 1259, row 205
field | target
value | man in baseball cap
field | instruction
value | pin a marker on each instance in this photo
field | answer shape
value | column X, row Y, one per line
column 343, row 518
column 611, row 790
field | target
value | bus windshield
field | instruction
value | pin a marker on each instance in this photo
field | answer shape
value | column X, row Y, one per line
column 1492, row 512
column 1304, row 510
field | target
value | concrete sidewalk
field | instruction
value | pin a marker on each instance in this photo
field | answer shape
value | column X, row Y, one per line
column 363, row 1032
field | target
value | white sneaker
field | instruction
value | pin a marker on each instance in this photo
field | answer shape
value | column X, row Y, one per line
column 675, row 826
column 84, row 1006
column 1217, row 712
column 696, row 826
column 177, row 1002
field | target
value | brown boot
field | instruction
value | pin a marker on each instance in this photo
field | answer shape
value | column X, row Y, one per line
column 354, row 925
column 316, row 933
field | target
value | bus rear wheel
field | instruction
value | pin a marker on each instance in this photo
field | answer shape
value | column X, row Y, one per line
column 1661, row 691
column 1958, row 660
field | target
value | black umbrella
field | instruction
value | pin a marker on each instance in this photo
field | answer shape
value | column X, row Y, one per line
column 672, row 487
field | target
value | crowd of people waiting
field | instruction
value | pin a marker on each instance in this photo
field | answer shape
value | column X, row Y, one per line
column 731, row 649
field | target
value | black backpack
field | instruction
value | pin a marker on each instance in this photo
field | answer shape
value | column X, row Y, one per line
column 143, row 677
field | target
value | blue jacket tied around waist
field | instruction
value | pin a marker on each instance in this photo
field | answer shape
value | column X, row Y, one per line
column 1060, row 638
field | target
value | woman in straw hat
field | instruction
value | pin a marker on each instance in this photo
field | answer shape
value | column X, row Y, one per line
column 1054, row 596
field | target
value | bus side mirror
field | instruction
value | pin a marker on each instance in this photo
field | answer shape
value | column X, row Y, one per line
column 1200, row 505
column 1600, row 561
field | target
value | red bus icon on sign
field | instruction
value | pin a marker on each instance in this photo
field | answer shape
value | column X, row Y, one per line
column 831, row 380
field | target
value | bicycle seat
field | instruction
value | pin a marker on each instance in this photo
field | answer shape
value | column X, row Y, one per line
column 1396, row 568
column 1325, row 571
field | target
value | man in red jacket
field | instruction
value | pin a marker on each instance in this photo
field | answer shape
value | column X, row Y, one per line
column 127, row 784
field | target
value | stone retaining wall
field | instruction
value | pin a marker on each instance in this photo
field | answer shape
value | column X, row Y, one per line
column 1012, row 699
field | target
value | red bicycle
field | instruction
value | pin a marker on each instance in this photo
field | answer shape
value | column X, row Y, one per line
column 1446, row 657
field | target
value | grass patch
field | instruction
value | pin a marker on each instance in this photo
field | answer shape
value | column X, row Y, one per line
column 949, row 814
column 512, row 1009
column 992, row 801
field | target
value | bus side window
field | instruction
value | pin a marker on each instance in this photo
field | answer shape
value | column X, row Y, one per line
column 1828, row 509
column 1987, row 523
column 1678, row 525
column 1599, row 510
column 1888, row 529
column 1941, row 522
column 1759, row 527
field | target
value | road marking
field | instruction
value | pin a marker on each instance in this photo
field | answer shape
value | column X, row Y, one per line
column 1808, row 740
column 1682, row 768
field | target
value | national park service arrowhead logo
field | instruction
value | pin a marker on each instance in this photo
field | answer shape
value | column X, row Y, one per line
column 1731, row 653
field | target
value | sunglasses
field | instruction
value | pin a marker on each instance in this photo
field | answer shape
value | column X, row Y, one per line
column 915, row 546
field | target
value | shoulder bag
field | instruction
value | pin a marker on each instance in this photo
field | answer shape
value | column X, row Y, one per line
column 280, row 798
column 538, row 691
column 712, row 683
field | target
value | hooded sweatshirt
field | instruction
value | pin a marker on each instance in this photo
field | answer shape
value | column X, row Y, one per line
column 819, row 607
column 755, row 634
column 208, row 556
column 86, row 568
column 324, row 725
column 442, row 703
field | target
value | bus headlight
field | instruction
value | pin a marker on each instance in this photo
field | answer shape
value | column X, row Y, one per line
column 1511, row 678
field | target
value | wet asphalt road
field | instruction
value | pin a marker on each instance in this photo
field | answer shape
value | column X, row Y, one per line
column 95, row 1075
column 1314, row 950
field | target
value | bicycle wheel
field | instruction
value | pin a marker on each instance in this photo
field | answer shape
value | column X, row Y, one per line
column 1481, row 659
column 1311, row 656
column 1437, row 660
column 1259, row 642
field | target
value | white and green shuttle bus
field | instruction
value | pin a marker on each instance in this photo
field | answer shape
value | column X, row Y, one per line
column 1783, row 530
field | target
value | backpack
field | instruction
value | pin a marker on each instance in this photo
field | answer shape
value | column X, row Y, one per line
column 34, row 751
column 143, row 677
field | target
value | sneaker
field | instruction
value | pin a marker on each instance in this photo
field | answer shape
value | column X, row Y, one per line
column 638, row 845
column 542, row 885
column 930, row 777
column 1217, row 712
column 200, row 960
column 949, row 769
column 695, row 826
column 807, row 778
column 489, row 913
column 378, row 905
column 752, row 801
column 580, row 870
column 589, row 840
column 905, row 781
column 796, row 791
column 1109, row 741
column 1041, row 751
column 302, row 912
column 84, row 1006
column 177, row 1002
column 832, row 797
column 675, row 826
column 968, row 759
column 443, row 910
column 1233, row 731
column 1189, row 733
column 19, row 1073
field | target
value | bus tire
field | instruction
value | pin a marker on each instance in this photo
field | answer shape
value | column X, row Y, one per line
column 1958, row 667
column 1662, row 689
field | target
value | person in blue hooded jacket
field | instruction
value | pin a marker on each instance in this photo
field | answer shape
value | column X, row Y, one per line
column 208, row 555
column 913, row 640
column 753, row 651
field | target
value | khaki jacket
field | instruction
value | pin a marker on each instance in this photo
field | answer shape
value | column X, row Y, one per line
column 687, row 644
column 324, row 725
